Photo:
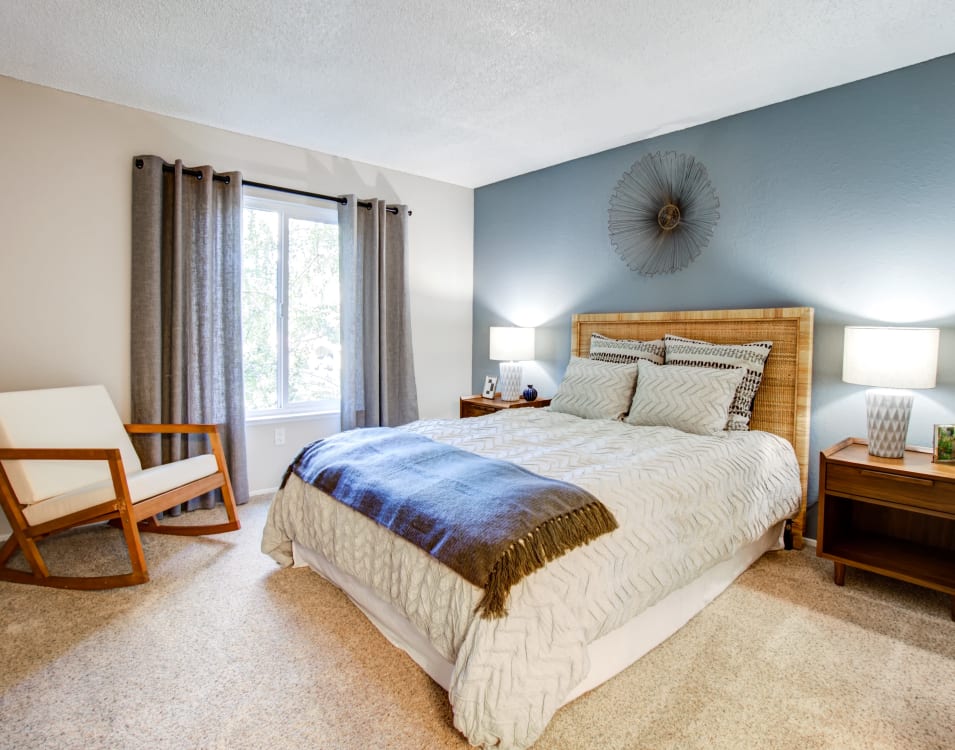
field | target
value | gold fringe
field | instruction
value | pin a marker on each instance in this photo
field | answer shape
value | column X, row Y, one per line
column 535, row 549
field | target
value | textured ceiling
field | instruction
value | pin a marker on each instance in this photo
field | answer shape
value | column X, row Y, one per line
column 466, row 92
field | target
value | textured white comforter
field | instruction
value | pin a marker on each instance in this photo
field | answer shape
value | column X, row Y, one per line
column 684, row 503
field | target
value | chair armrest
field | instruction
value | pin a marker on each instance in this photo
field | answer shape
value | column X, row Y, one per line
column 215, row 442
column 112, row 456
column 59, row 454
column 155, row 429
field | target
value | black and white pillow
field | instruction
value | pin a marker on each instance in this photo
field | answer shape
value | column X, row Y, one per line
column 691, row 399
column 752, row 357
column 606, row 349
column 595, row 390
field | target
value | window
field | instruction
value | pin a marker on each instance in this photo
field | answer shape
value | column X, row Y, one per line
column 290, row 307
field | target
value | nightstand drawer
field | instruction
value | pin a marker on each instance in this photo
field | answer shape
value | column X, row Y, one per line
column 918, row 492
column 479, row 410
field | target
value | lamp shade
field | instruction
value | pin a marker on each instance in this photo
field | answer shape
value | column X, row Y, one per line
column 511, row 343
column 884, row 357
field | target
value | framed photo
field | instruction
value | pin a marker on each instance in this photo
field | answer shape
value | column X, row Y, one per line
column 943, row 446
column 490, row 385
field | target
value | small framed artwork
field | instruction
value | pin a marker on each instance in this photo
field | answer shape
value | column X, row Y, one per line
column 490, row 384
column 943, row 445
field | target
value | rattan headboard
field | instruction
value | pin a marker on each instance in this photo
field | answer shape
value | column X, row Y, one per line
column 782, row 402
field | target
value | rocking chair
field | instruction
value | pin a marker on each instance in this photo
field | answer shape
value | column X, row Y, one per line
column 66, row 460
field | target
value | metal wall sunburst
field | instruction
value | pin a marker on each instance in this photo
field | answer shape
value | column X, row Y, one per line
column 662, row 213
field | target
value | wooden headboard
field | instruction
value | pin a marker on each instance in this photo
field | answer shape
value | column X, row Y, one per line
column 782, row 402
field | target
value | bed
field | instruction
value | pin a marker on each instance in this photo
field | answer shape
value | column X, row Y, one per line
column 707, row 508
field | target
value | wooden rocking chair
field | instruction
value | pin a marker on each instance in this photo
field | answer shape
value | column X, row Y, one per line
column 66, row 460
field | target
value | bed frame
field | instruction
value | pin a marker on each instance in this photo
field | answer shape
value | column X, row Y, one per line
column 782, row 402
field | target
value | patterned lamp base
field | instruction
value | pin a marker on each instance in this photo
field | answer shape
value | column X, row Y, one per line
column 888, row 412
column 510, row 381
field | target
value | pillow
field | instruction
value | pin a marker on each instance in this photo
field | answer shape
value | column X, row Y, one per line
column 625, row 350
column 692, row 399
column 595, row 390
column 693, row 353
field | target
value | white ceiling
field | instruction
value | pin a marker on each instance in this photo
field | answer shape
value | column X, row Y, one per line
column 467, row 92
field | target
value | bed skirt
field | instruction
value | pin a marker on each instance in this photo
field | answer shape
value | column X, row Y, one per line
column 609, row 655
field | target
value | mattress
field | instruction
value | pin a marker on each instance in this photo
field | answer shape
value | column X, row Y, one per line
column 686, row 505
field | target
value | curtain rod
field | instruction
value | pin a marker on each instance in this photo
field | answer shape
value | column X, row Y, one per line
column 264, row 186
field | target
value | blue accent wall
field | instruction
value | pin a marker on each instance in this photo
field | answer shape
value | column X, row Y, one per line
column 843, row 200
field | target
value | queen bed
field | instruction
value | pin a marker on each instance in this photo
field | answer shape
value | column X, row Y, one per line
column 692, row 511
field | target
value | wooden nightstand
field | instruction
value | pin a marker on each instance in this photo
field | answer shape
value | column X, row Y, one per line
column 478, row 406
column 893, row 516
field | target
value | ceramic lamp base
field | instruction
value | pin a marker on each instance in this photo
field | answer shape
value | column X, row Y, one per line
column 510, row 381
column 887, row 413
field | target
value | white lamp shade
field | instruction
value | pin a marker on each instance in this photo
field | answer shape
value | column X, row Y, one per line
column 511, row 343
column 890, row 357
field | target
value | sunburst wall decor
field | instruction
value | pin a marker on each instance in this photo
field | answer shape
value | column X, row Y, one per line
column 662, row 213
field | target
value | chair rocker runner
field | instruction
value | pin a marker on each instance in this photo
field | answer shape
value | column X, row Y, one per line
column 66, row 460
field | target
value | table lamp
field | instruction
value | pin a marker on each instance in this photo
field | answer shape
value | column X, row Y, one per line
column 511, row 344
column 889, row 359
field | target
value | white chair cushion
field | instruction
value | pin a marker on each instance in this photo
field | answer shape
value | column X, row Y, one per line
column 78, row 417
column 142, row 486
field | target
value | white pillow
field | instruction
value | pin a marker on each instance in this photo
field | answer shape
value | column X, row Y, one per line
column 691, row 399
column 752, row 357
column 595, row 390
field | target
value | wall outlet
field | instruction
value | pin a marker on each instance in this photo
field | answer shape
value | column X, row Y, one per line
column 280, row 436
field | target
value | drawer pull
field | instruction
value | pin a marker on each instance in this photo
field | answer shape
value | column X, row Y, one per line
column 897, row 478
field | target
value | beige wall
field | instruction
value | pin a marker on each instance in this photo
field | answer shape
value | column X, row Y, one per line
column 65, row 257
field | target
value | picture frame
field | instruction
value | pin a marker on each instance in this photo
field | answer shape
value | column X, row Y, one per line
column 490, row 385
column 943, row 444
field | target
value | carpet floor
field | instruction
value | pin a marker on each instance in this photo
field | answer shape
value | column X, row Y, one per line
column 223, row 649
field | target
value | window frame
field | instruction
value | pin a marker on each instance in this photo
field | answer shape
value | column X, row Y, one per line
column 289, row 207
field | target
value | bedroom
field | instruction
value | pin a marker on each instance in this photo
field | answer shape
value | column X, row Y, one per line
column 839, row 200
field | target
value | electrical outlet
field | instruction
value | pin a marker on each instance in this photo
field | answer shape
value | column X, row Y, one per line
column 280, row 436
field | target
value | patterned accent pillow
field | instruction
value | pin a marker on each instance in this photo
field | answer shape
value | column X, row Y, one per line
column 693, row 353
column 692, row 399
column 626, row 350
column 595, row 390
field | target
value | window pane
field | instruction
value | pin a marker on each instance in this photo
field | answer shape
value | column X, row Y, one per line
column 314, row 348
column 260, row 344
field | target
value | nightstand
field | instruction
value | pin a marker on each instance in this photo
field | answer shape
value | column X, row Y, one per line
column 478, row 406
column 893, row 516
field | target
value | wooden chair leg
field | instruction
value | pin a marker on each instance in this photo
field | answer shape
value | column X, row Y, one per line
column 40, row 575
column 228, row 500
column 134, row 544
column 19, row 540
column 232, row 524
column 9, row 547
column 34, row 558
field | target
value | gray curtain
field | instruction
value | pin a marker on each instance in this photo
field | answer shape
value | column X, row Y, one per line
column 378, row 382
column 187, row 312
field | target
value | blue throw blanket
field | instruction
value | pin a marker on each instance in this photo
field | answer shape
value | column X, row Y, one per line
column 491, row 521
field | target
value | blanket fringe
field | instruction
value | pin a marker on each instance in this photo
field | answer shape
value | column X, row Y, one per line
column 535, row 549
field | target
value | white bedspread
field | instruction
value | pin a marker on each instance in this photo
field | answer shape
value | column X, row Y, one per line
column 684, row 503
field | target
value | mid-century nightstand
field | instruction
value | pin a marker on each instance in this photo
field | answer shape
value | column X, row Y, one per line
column 893, row 516
column 478, row 406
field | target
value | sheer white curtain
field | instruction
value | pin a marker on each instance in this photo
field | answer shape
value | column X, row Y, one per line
column 378, row 380
column 187, row 311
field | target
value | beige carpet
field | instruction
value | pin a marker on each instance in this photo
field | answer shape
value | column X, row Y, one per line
column 223, row 649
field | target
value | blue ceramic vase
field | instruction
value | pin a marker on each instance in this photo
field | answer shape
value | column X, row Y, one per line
column 530, row 393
